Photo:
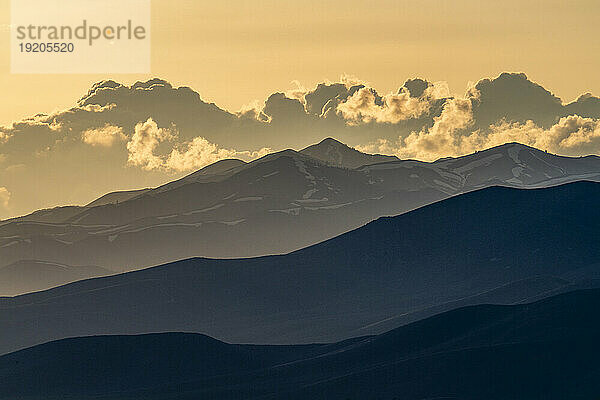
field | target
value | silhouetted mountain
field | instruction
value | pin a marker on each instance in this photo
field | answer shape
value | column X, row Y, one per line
column 27, row 276
column 544, row 350
column 517, row 165
column 498, row 244
column 279, row 203
column 335, row 153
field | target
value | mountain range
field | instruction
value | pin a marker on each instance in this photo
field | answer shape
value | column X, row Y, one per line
column 494, row 245
column 544, row 350
column 97, row 145
column 276, row 204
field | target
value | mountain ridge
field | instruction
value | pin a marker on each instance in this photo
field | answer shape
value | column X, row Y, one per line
column 493, row 244
column 335, row 152
column 543, row 349
column 26, row 276
column 280, row 203
column 210, row 169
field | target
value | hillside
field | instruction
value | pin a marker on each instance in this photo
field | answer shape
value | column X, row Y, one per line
column 499, row 245
column 545, row 350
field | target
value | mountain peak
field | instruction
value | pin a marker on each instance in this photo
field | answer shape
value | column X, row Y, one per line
column 513, row 145
column 339, row 154
column 331, row 142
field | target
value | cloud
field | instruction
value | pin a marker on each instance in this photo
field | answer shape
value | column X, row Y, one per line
column 188, row 156
column 316, row 99
column 351, row 80
column 251, row 111
column 105, row 136
column 416, row 87
column 95, row 108
column 364, row 106
column 578, row 134
column 422, row 88
column 42, row 120
column 571, row 136
column 350, row 109
column 200, row 153
column 444, row 137
column 297, row 92
column 379, row 146
column 4, row 197
column 281, row 109
column 413, row 100
column 144, row 142
column 513, row 97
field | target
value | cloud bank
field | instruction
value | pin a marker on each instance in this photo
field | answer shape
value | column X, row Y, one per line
column 459, row 130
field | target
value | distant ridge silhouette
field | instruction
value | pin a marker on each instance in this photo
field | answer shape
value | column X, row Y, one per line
column 280, row 203
column 545, row 350
column 495, row 245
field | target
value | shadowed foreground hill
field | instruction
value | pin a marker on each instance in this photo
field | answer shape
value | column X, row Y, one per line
column 496, row 245
column 545, row 350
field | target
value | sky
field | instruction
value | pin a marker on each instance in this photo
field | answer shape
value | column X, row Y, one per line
column 235, row 52
column 240, row 54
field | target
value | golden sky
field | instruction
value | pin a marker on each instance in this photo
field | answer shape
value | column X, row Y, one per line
column 236, row 51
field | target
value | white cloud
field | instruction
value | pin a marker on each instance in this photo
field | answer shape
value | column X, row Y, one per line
column 145, row 140
column 379, row 146
column 444, row 137
column 362, row 106
column 200, row 152
column 194, row 154
column 95, row 108
column 438, row 90
column 572, row 136
column 105, row 136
